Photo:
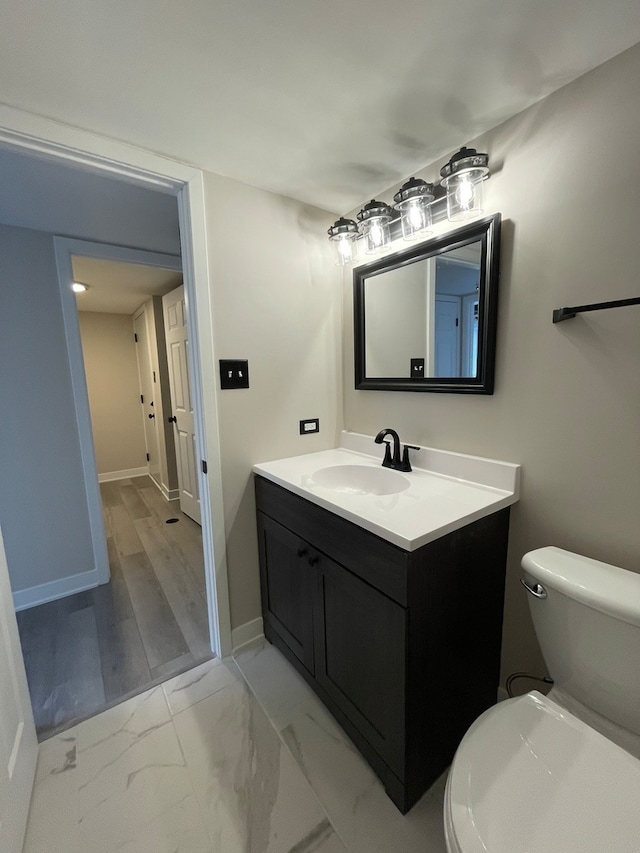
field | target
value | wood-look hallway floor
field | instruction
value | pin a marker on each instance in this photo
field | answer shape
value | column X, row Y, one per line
column 88, row 651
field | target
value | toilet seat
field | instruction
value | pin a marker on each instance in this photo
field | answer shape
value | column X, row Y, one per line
column 529, row 776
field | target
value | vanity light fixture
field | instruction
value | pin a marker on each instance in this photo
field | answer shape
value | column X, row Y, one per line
column 413, row 200
column 463, row 177
column 343, row 234
column 374, row 219
column 417, row 204
column 79, row 287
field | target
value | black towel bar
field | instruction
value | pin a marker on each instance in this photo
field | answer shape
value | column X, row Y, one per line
column 561, row 314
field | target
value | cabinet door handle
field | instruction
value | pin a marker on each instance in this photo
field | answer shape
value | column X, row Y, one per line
column 313, row 560
column 302, row 552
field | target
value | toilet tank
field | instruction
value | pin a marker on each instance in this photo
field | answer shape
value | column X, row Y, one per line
column 588, row 627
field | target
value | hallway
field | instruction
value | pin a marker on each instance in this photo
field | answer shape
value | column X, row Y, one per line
column 88, row 651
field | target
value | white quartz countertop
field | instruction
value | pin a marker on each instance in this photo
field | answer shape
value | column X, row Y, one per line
column 445, row 491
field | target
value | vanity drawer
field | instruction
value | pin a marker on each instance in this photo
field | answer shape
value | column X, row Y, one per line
column 376, row 561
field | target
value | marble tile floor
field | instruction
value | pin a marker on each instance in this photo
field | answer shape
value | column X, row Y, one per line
column 351, row 794
column 214, row 762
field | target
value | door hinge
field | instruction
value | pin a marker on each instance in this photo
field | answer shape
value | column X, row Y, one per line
column 204, row 466
column 154, row 376
column 148, row 458
column 141, row 398
column 135, row 337
column 457, row 322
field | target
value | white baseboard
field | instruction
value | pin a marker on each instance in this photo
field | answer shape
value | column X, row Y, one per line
column 247, row 633
column 123, row 475
column 167, row 494
column 41, row 594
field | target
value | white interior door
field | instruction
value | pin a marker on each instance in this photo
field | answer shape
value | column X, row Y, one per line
column 430, row 320
column 148, row 389
column 18, row 743
column 177, row 337
column 447, row 349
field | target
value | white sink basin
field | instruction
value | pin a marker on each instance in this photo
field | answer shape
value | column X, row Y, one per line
column 360, row 480
column 445, row 490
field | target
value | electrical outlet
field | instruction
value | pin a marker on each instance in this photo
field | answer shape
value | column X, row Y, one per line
column 309, row 425
column 234, row 373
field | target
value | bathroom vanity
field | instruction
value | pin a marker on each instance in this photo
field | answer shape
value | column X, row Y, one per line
column 386, row 595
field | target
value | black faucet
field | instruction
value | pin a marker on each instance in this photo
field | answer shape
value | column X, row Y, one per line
column 394, row 461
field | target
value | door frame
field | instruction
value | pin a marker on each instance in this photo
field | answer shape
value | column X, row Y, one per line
column 30, row 134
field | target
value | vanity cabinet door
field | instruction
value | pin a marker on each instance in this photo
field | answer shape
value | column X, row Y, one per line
column 286, row 583
column 361, row 638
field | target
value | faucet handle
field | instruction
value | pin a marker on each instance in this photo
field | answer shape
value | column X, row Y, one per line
column 387, row 462
column 406, row 465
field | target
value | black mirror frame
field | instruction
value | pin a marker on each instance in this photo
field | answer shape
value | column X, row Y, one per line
column 486, row 230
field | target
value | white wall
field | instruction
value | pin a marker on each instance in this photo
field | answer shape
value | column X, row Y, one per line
column 111, row 370
column 566, row 177
column 276, row 302
column 43, row 507
column 72, row 202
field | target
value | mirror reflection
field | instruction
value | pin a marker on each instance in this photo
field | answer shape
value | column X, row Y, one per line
column 422, row 318
column 425, row 317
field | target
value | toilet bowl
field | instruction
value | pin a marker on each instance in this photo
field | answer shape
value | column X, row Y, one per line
column 530, row 776
column 542, row 774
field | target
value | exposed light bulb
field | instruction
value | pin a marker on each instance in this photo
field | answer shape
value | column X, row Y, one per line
column 462, row 177
column 465, row 194
column 416, row 215
column 376, row 234
column 343, row 234
column 78, row 287
column 344, row 248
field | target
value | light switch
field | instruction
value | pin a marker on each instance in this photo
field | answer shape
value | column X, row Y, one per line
column 417, row 368
column 234, row 373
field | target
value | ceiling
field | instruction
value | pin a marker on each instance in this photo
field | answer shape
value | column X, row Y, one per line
column 119, row 288
column 327, row 102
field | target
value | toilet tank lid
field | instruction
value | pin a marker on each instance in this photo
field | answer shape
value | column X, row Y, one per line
column 609, row 589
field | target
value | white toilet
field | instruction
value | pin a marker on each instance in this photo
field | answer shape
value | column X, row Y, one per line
column 560, row 774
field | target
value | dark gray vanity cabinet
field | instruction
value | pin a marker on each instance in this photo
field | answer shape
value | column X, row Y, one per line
column 402, row 647
column 288, row 595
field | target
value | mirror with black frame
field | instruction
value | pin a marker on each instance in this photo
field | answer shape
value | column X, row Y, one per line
column 425, row 317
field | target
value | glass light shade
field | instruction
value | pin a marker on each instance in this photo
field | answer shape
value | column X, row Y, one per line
column 345, row 247
column 78, row 287
column 343, row 234
column 376, row 235
column 465, row 196
column 413, row 200
column 416, row 219
column 374, row 219
column 462, row 177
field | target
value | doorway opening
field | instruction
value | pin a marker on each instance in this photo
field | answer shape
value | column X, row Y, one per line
column 70, row 147
column 149, row 623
